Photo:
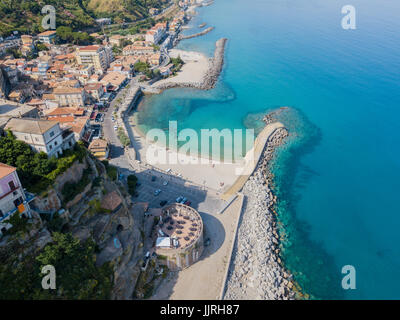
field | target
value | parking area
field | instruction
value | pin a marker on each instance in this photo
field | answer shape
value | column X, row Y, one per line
column 171, row 188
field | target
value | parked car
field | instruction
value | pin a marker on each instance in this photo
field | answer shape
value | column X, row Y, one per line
column 188, row 203
column 115, row 128
column 157, row 192
column 165, row 183
column 163, row 203
column 183, row 201
column 179, row 199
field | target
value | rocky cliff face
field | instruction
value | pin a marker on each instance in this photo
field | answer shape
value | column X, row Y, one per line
column 117, row 234
column 3, row 85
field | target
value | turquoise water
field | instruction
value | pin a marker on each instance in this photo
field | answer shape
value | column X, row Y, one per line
column 338, row 180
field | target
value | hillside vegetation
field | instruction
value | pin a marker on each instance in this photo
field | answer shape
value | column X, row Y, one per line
column 25, row 16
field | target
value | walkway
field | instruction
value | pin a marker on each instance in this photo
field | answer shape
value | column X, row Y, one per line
column 252, row 159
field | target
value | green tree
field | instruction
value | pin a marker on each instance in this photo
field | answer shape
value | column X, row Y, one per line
column 132, row 183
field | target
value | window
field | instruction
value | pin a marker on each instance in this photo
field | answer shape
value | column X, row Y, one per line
column 55, row 143
column 52, row 134
column 26, row 137
column 11, row 185
column 37, row 139
column 18, row 201
column 51, row 147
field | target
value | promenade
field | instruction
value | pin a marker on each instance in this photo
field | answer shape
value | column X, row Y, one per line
column 252, row 158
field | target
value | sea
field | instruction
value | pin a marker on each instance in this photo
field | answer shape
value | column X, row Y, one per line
column 338, row 176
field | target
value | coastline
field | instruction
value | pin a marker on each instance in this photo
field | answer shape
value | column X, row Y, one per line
column 197, row 73
column 207, row 172
column 256, row 271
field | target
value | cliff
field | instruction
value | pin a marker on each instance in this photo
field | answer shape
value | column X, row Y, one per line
column 102, row 213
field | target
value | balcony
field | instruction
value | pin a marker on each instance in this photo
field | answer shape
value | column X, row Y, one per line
column 8, row 214
column 28, row 198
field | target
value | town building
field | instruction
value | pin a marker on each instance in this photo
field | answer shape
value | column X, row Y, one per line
column 10, row 109
column 9, row 44
column 113, row 81
column 116, row 40
column 12, row 197
column 112, row 202
column 180, row 236
column 94, row 90
column 65, row 112
column 99, row 148
column 27, row 44
column 156, row 33
column 97, row 56
column 133, row 50
column 42, row 135
column 72, row 97
column 48, row 37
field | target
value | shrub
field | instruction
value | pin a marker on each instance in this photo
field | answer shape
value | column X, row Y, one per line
column 71, row 189
column 132, row 182
column 36, row 170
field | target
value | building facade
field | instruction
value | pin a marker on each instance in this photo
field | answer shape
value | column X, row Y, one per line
column 48, row 37
column 180, row 236
column 96, row 56
column 12, row 196
column 72, row 97
column 42, row 135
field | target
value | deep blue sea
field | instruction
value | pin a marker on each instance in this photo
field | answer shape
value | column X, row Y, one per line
column 338, row 179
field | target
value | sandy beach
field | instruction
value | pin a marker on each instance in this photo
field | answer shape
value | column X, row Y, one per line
column 212, row 174
column 193, row 71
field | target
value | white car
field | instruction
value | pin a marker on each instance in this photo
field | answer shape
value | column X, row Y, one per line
column 165, row 183
column 157, row 192
column 115, row 128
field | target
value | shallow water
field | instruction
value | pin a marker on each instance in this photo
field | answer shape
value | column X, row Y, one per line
column 338, row 179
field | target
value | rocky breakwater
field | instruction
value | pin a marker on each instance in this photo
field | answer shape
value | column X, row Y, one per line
column 182, row 37
column 256, row 271
column 210, row 78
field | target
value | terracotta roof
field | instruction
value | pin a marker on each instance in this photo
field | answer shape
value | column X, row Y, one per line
column 93, row 86
column 89, row 48
column 47, row 33
column 33, row 126
column 67, row 90
column 48, row 96
column 132, row 47
column 111, row 201
column 98, row 144
column 66, row 111
column 115, row 78
column 63, row 119
column 5, row 170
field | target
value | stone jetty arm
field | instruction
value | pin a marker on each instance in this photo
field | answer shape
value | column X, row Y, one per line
column 210, row 79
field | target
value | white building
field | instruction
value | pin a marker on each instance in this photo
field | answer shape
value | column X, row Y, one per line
column 156, row 33
column 42, row 135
